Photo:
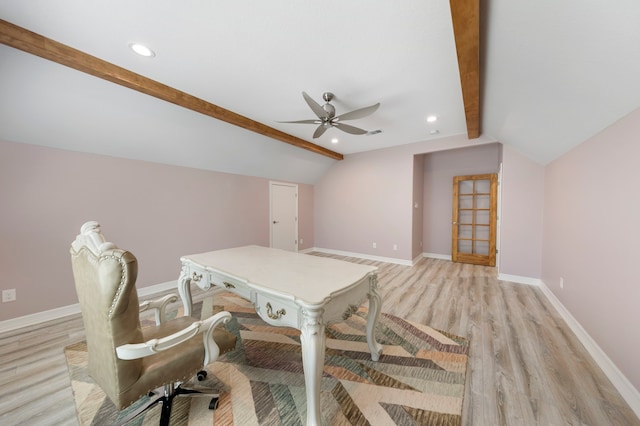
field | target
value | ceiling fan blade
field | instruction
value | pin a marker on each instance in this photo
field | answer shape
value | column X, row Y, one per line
column 350, row 129
column 317, row 109
column 316, row 121
column 320, row 130
column 358, row 113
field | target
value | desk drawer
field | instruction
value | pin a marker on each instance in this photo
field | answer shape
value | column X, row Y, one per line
column 276, row 311
column 231, row 284
column 197, row 276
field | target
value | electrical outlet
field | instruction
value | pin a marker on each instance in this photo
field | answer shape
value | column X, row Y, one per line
column 8, row 295
column 395, row 247
column 301, row 241
column 374, row 245
column 561, row 282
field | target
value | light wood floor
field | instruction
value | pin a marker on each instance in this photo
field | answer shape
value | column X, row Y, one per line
column 526, row 367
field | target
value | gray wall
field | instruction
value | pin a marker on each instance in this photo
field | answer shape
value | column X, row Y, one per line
column 591, row 232
column 158, row 212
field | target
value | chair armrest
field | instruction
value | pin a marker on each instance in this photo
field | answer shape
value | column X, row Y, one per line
column 154, row 346
column 159, row 306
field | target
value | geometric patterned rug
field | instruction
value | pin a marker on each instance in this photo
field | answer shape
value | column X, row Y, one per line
column 419, row 379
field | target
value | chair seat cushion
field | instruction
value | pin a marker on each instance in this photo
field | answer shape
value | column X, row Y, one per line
column 177, row 364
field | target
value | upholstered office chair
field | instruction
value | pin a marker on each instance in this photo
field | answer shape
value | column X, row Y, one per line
column 126, row 360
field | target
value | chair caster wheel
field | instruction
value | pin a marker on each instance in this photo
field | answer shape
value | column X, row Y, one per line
column 201, row 375
column 214, row 403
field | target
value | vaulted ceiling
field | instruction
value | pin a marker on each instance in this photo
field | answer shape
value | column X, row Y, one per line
column 548, row 76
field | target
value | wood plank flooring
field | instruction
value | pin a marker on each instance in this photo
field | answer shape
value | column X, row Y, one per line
column 526, row 367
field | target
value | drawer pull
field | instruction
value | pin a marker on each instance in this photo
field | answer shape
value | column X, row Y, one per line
column 195, row 277
column 228, row 285
column 279, row 313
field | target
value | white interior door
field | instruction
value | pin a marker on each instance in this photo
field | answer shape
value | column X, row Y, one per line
column 284, row 216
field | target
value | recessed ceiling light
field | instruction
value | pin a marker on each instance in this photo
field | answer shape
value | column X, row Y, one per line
column 334, row 140
column 434, row 132
column 432, row 119
column 142, row 50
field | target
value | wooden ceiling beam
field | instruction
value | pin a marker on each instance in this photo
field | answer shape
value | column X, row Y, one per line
column 30, row 42
column 465, row 15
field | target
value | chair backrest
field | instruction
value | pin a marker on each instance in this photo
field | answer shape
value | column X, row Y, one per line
column 105, row 279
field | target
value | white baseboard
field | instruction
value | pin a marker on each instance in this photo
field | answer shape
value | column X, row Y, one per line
column 157, row 288
column 437, row 256
column 39, row 317
column 502, row 277
column 363, row 256
column 519, row 279
column 620, row 382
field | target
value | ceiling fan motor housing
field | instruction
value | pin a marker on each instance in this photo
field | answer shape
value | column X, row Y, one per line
column 330, row 109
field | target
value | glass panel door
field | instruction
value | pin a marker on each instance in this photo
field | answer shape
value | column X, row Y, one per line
column 474, row 219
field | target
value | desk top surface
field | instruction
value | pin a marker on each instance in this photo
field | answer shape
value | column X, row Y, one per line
column 310, row 278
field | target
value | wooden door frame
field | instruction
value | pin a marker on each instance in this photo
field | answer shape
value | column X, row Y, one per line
column 490, row 259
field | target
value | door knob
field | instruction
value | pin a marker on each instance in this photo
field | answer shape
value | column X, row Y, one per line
column 275, row 221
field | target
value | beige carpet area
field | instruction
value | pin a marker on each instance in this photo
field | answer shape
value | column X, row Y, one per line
column 419, row 379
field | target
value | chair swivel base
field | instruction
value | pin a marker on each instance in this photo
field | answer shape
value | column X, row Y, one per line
column 166, row 396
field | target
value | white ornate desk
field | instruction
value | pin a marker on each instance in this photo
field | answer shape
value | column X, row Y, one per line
column 290, row 290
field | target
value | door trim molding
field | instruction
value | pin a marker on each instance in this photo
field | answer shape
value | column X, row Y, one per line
column 474, row 258
column 272, row 183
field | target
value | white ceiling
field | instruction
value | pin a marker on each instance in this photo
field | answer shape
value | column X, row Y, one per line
column 553, row 73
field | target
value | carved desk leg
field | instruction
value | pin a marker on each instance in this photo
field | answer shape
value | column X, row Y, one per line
column 184, row 288
column 375, row 303
column 313, row 343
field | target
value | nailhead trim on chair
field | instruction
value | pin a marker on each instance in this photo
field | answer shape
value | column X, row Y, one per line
column 120, row 286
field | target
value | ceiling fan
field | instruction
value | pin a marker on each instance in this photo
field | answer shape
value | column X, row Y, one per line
column 327, row 116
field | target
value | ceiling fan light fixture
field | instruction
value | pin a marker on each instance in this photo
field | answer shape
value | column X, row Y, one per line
column 142, row 50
